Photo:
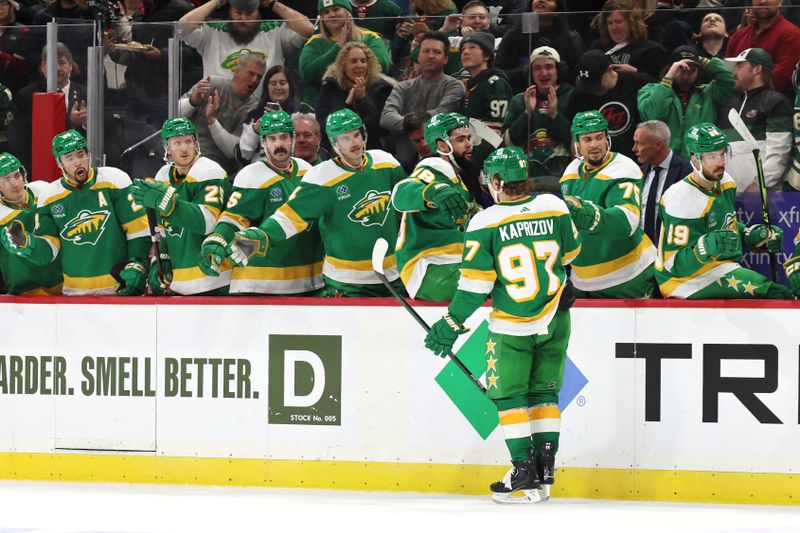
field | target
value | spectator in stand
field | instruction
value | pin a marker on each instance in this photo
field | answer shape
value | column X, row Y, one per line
column 767, row 114
column 554, row 32
column 773, row 34
column 679, row 100
column 612, row 92
column 20, row 132
column 793, row 176
column 432, row 12
column 336, row 28
column 220, row 106
column 13, row 63
column 280, row 87
column 76, row 32
column 475, row 16
column 623, row 38
column 488, row 91
column 432, row 91
column 223, row 44
column 379, row 16
column 307, row 139
column 354, row 81
column 414, row 129
column 713, row 37
column 537, row 120
column 661, row 168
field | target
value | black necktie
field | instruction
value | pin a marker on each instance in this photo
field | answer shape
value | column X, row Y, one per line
column 651, row 211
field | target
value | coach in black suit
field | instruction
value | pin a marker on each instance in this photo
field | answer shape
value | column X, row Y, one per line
column 75, row 100
column 661, row 168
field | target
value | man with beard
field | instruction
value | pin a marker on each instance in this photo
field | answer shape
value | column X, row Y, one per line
column 701, row 239
column 349, row 196
column 90, row 219
column 773, row 34
column 679, row 101
column 188, row 195
column 767, row 114
column 602, row 190
column 259, row 190
column 434, row 203
column 488, row 90
column 18, row 203
column 222, row 44
column 221, row 106
column 537, row 119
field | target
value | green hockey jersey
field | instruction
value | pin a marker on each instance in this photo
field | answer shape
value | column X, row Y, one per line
column 96, row 228
column 487, row 98
column 290, row 267
column 353, row 209
column 427, row 235
column 201, row 194
column 621, row 251
column 687, row 213
column 19, row 275
column 517, row 252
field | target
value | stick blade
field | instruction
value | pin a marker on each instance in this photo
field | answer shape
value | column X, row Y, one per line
column 740, row 127
column 378, row 253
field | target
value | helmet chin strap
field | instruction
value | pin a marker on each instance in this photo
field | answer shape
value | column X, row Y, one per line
column 449, row 155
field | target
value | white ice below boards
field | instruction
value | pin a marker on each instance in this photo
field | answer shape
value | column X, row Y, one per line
column 39, row 507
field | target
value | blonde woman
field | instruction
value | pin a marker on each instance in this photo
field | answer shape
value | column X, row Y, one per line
column 354, row 81
column 336, row 28
column 623, row 38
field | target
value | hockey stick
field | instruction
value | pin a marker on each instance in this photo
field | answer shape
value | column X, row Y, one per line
column 154, row 238
column 740, row 127
column 378, row 254
column 485, row 132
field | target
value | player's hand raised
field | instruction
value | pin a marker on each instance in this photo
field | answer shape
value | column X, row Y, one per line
column 448, row 199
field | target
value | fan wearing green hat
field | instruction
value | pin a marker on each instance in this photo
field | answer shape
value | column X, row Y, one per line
column 187, row 196
column 90, row 220
column 767, row 115
column 349, row 199
column 18, row 207
column 291, row 267
column 516, row 252
column 701, row 239
column 336, row 28
column 602, row 189
column 434, row 203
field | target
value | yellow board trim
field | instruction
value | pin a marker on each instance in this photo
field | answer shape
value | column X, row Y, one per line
column 596, row 483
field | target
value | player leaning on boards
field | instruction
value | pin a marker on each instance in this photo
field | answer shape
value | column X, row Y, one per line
column 515, row 252
column 18, row 203
column 187, row 195
column 602, row 190
column 701, row 240
column 260, row 188
column 349, row 196
column 434, row 204
column 90, row 218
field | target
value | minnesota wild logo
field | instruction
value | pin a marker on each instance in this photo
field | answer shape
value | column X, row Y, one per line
column 230, row 62
column 372, row 209
column 173, row 231
column 86, row 228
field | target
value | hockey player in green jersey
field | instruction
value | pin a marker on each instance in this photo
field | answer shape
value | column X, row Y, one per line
column 187, row 195
column 516, row 252
column 701, row 240
column 602, row 191
column 792, row 267
column 18, row 202
column 260, row 188
column 434, row 203
column 350, row 197
column 89, row 217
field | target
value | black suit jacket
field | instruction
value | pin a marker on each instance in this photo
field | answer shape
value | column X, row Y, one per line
column 20, row 130
column 678, row 169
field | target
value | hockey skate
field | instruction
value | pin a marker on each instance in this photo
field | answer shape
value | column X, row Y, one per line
column 520, row 484
column 545, row 468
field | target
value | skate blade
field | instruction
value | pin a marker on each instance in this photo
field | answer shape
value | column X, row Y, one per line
column 520, row 496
